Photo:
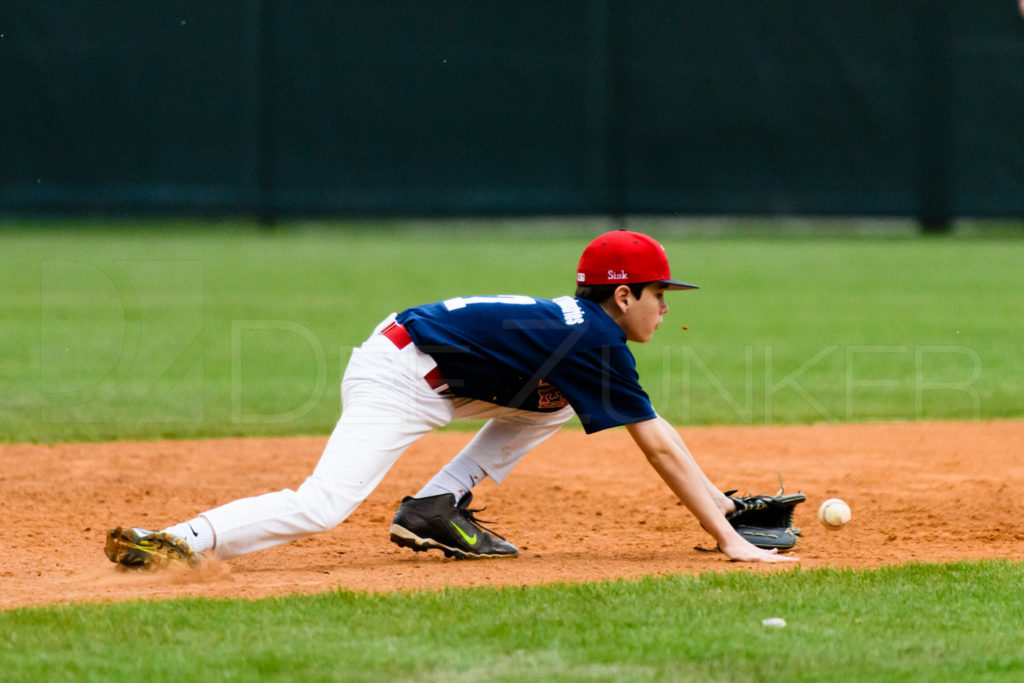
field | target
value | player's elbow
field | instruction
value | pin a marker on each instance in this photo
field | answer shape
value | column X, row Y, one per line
column 654, row 441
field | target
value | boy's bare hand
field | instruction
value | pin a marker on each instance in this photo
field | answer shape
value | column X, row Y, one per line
column 745, row 552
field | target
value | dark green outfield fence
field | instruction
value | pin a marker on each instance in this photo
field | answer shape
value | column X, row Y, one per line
column 293, row 107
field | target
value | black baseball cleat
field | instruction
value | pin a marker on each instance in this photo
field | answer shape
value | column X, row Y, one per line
column 437, row 522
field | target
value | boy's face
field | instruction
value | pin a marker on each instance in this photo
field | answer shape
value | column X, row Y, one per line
column 642, row 316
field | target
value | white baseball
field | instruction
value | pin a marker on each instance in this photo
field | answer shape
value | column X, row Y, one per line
column 833, row 513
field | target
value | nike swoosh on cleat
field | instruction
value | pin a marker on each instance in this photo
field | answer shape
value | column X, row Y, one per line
column 469, row 539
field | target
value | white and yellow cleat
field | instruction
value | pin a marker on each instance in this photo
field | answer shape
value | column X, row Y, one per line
column 142, row 550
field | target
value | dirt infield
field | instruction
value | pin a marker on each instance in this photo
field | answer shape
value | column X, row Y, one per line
column 580, row 508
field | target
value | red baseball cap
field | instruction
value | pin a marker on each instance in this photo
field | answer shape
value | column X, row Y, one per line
column 622, row 257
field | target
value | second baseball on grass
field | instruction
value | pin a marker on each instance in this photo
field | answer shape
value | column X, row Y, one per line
column 833, row 513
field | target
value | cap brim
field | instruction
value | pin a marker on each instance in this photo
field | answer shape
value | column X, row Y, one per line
column 676, row 284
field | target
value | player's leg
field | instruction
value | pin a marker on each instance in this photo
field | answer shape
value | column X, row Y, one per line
column 438, row 516
column 388, row 405
column 499, row 445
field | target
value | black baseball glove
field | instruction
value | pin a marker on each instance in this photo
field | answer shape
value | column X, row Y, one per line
column 766, row 521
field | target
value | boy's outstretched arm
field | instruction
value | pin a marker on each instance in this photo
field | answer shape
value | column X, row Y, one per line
column 723, row 502
column 674, row 464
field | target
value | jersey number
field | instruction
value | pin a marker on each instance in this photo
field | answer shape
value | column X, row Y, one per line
column 463, row 301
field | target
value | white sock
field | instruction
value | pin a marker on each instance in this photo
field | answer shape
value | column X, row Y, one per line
column 458, row 477
column 196, row 532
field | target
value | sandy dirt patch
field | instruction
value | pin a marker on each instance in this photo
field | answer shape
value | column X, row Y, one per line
column 580, row 508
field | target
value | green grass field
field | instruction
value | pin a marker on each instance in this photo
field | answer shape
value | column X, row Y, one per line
column 172, row 330
column 138, row 332
column 957, row 622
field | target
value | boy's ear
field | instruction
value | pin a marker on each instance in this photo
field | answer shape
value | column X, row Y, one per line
column 622, row 297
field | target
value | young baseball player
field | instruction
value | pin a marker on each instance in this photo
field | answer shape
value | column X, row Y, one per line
column 525, row 365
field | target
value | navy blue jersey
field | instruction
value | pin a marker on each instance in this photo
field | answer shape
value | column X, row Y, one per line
column 533, row 354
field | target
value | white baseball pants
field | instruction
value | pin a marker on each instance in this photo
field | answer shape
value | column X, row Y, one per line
column 387, row 405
